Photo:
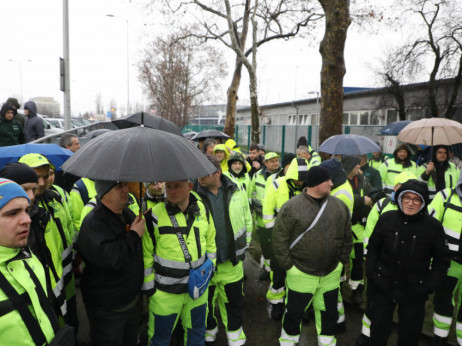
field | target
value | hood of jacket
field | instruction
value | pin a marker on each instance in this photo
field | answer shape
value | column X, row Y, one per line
column 237, row 157
column 349, row 162
column 403, row 146
column 298, row 170
column 7, row 107
column 30, row 105
column 459, row 185
column 415, row 186
column 336, row 171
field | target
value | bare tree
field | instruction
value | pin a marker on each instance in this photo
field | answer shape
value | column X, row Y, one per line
column 180, row 74
column 99, row 104
column 433, row 53
column 337, row 17
column 229, row 23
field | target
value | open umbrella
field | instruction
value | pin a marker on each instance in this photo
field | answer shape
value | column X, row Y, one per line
column 139, row 154
column 148, row 120
column 189, row 135
column 96, row 133
column 53, row 152
column 204, row 134
column 348, row 145
column 432, row 131
column 392, row 129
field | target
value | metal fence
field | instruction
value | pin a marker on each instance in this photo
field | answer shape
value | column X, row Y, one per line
column 283, row 138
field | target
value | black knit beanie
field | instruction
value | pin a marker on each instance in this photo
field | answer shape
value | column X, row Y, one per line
column 287, row 159
column 103, row 186
column 316, row 175
column 19, row 172
column 349, row 162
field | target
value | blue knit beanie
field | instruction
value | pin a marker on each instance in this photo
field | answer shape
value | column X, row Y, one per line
column 10, row 190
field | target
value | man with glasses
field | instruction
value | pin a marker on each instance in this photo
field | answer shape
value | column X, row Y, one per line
column 407, row 259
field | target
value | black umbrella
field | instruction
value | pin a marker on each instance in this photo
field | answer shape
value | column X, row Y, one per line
column 139, row 154
column 148, row 120
column 189, row 135
column 210, row 134
column 96, row 133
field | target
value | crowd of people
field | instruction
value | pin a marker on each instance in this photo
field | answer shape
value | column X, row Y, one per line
column 17, row 128
column 387, row 228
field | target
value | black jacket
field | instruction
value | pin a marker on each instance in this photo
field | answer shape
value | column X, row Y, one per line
column 113, row 258
column 407, row 256
column 254, row 170
column 11, row 132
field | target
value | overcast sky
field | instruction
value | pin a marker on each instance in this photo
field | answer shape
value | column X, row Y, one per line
column 32, row 30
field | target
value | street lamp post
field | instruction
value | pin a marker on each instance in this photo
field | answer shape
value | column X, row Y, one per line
column 20, row 62
column 128, row 62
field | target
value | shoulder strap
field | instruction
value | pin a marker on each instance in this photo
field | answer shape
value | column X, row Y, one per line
column 311, row 226
column 19, row 304
column 448, row 205
column 83, row 190
column 384, row 204
column 184, row 247
column 44, row 302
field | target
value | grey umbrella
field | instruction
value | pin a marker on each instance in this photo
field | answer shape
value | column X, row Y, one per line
column 148, row 120
column 348, row 145
column 139, row 154
column 210, row 134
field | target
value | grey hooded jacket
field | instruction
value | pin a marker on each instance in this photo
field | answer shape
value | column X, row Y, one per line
column 33, row 128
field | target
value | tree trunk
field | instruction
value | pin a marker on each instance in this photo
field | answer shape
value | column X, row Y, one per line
column 333, row 66
column 450, row 109
column 230, row 122
column 254, row 109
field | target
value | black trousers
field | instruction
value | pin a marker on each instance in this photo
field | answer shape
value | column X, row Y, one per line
column 380, row 311
column 264, row 236
column 114, row 328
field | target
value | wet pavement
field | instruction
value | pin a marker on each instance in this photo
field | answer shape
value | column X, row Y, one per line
column 260, row 329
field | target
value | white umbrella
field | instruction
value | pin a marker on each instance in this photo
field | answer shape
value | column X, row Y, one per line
column 432, row 131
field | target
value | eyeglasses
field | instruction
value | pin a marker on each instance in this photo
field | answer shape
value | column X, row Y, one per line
column 416, row 200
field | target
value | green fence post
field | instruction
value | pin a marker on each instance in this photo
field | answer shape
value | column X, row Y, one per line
column 264, row 134
column 283, row 141
column 309, row 134
column 248, row 137
column 347, row 130
column 236, row 134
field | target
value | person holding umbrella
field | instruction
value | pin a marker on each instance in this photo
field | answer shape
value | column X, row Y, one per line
column 110, row 245
column 401, row 162
column 439, row 173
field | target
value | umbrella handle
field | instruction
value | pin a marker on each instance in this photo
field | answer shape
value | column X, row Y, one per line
column 431, row 149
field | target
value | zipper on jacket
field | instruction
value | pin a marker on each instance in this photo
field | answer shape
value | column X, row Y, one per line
column 395, row 244
column 413, row 245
